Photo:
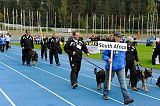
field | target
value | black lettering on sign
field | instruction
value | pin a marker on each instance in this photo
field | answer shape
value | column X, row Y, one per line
column 117, row 46
column 92, row 43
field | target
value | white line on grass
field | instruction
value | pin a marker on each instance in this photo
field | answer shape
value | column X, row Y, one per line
column 39, row 84
column 7, row 97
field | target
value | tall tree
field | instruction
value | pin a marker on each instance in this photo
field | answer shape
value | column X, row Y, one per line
column 151, row 7
column 63, row 13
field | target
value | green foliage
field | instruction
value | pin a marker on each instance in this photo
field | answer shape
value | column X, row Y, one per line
column 151, row 8
column 64, row 8
column 1, row 17
column 63, row 13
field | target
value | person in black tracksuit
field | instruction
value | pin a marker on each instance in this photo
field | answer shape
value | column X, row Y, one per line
column 74, row 48
column 44, row 43
column 27, row 47
column 53, row 44
column 131, row 57
column 158, row 82
column 156, row 53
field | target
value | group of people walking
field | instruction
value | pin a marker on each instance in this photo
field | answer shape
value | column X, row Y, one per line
column 28, row 46
column 5, row 42
column 122, row 61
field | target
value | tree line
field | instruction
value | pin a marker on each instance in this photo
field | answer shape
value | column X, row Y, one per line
column 81, row 13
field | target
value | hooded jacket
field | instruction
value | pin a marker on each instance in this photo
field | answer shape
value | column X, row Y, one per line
column 119, row 59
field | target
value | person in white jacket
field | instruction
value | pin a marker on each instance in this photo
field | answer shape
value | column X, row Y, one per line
column 8, row 38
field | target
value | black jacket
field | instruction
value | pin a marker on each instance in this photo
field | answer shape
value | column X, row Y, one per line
column 131, row 55
column 157, row 49
column 78, row 47
column 27, row 42
column 53, row 44
column 44, row 43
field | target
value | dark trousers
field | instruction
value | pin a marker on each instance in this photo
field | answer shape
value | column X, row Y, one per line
column 75, row 66
column 55, row 53
column 7, row 45
column 26, row 55
column 133, row 73
column 44, row 52
column 154, row 56
column 2, row 47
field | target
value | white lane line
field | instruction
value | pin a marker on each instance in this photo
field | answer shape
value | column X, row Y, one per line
column 17, row 49
column 67, row 79
column 7, row 96
column 39, row 84
column 92, row 70
column 94, row 78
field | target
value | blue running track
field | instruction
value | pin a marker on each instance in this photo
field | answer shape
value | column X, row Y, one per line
column 46, row 85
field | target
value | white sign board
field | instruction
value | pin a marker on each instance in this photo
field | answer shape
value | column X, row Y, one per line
column 103, row 45
column 93, row 49
column 3, row 32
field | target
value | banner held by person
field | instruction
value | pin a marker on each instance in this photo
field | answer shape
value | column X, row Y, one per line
column 103, row 45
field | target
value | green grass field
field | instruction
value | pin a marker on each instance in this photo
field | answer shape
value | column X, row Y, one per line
column 144, row 54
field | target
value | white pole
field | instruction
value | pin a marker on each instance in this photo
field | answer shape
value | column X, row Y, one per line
column 116, row 24
column 93, row 24
column 4, row 18
column 16, row 19
column 24, row 20
column 129, row 24
column 47, row 22
column 133, row 26
column 37, row 18
column 13, row 17
column 71, row 21
column 147, row 24
column 124, row 24
column 87, row 24
column 120, row 24
column 157, row 23
column 112, row 23
column 142, row 27
column 103, row 23
column 153, row 25
column 21, row 19
column 110, row 71
column 108, row 24
column 79, row 21
column 32, row 21
column 138, row 22
column 8, row 18
column 55, row 20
